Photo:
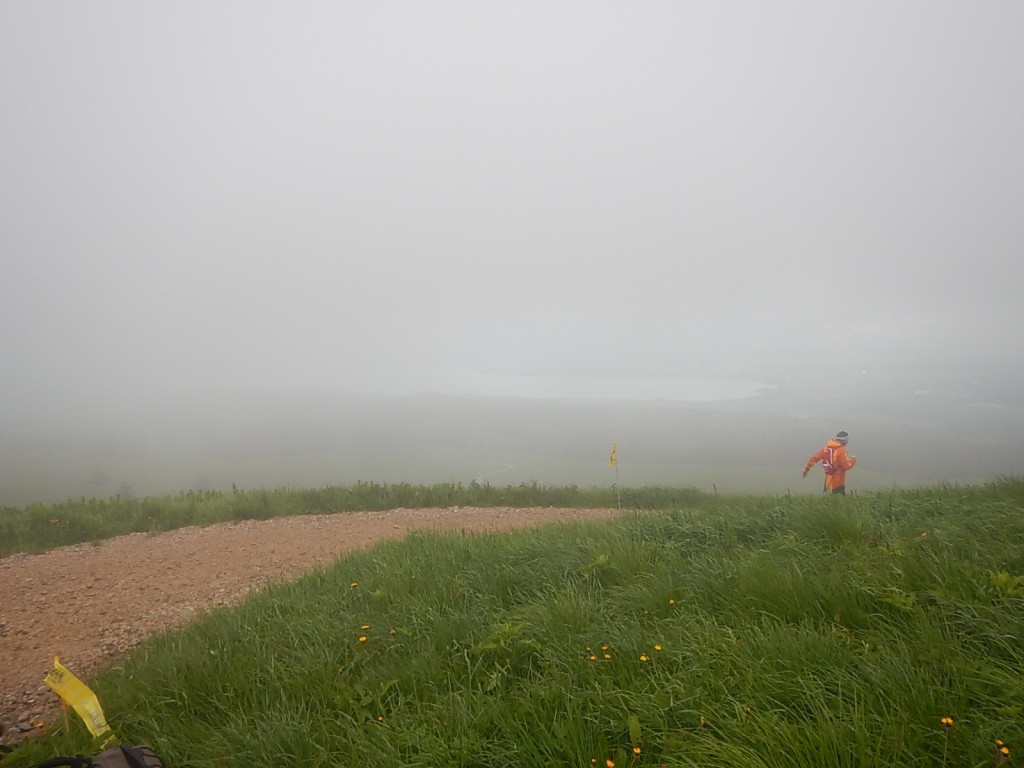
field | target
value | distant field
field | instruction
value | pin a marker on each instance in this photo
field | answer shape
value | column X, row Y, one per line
column 729, row 448
column 329, row 468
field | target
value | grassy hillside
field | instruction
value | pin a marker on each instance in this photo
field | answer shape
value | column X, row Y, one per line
column 39, row 527
column 876, row 630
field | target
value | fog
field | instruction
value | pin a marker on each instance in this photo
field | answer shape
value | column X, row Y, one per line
column 228, row 224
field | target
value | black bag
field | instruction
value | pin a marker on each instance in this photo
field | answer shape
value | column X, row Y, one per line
column 116, row 757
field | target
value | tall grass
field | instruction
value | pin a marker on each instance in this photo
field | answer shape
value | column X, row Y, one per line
column 761, row 632
column 40, row 527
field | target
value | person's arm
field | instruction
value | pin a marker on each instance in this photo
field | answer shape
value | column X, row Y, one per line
column 814, row 460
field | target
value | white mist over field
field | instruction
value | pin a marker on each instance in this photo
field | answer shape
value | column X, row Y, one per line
column 273, row 211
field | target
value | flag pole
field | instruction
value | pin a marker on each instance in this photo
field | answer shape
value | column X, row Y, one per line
column 613, row 461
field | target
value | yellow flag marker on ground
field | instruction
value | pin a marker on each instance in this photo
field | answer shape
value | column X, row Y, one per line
column 80, row 696
column 614, row 458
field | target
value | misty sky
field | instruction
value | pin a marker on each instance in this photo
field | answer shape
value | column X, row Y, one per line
column 392, row 196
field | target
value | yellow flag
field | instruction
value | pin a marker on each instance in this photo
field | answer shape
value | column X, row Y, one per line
column 81, row 698
column 614, row 458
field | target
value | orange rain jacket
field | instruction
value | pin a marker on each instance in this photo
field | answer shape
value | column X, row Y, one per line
column 835, row 461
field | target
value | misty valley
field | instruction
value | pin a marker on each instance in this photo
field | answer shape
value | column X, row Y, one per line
column 756, row 444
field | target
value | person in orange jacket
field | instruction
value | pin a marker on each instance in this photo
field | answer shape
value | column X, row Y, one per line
column 835, row 461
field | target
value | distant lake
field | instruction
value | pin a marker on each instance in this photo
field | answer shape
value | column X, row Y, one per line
column 585, row 388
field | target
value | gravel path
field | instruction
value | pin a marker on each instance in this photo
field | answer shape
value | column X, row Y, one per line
column 90, row 604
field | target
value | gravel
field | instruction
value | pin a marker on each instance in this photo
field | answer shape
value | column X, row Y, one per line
column 90, row 604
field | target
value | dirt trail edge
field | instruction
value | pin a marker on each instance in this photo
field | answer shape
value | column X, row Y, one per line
column 91, row 604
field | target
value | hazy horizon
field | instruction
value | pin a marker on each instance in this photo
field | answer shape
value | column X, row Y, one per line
column 548, row 200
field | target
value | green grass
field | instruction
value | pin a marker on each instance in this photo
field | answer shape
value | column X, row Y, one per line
column 760, row 632
column 39, row 527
